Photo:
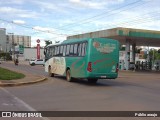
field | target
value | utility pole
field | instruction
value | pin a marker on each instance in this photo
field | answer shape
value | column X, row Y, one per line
column 13, row 45
column 153, row 57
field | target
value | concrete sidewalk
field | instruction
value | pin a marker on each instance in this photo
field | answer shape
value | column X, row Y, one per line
column 28, row 79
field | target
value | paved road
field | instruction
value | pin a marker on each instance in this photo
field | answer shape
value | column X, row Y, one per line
column 132, row 91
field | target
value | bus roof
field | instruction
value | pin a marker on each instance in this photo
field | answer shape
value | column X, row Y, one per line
column 69, row 41
column 76, row 40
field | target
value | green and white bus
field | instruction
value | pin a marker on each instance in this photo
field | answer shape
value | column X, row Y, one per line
column 90, row 58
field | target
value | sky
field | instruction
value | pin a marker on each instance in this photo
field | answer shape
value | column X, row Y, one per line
column 56, row 19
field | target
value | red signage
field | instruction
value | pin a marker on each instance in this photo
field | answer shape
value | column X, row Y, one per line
column 38, row 41
column 38, row 51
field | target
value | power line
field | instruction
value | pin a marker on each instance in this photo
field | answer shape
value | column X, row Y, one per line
column 84, row 21
column 97, row 16
column 77, row 24
column 29, row 27
column 80, row 21
column 136, row 19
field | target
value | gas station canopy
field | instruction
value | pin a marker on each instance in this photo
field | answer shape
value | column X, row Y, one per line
column 139, row 37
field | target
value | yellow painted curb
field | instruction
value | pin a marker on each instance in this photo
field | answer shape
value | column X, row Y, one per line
column 21, row 83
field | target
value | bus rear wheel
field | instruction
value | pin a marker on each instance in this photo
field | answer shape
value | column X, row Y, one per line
column 50, row 73
column 68, row 75
column 90, row 80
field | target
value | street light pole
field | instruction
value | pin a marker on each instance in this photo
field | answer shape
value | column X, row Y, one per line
column 13, row 45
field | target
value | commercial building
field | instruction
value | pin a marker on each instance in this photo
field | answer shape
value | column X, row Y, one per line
column 126, row 36
column 19, row 40
column 8, row 41
column 3, row 41
column 30, row 53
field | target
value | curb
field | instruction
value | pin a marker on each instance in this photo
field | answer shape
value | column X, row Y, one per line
column 22, row 83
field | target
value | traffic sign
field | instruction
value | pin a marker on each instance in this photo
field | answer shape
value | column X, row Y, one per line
column 38, row 41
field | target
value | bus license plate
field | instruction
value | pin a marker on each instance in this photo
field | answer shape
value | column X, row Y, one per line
column 103, row 76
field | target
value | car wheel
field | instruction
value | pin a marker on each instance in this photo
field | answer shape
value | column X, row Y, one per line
column 32, row 64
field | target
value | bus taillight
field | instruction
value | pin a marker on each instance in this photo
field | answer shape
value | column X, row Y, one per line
column 89, row 68
column 117, row 68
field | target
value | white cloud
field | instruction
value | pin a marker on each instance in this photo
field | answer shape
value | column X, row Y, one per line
column 74, row 1
column 45, row 29
column 88, row 4
column 51, row 6
column 10, row 11
column 19, row 22
column 95, row 4
column 17, row 2
column 42, row 37
column 9, row 27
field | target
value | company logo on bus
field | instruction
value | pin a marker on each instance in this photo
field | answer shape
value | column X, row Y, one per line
column 104, row 48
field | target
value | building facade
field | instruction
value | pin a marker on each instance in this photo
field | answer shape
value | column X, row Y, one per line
column 31, row 53
column 19, row 40
column 3, row 40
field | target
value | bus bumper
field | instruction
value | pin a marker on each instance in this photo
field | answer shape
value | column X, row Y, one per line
column 103, row 76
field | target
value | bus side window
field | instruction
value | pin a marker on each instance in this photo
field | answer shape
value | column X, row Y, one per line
column 50, row 52
column 58, row 49
column 79, row 49
column 61, row 50
column 71, row 50
column 64, row 50
column 75, row 49
column 55, row 52
column 67, row 51
column 84, row 49
column 86, row 44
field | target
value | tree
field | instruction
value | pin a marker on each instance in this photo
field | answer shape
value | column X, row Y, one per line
column 138, row 50
column 153, row 53
column 47, row 42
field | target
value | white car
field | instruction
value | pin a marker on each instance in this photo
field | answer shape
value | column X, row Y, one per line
column 33, row 62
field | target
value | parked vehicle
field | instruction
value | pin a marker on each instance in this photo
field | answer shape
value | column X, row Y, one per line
column 33, row 62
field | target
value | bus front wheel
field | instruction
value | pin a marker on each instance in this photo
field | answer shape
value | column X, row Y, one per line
column 92, row 80
column 68, row 75
column 50, row 73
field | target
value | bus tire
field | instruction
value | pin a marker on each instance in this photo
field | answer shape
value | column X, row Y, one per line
column 90, row 80
column 68, row 75
column 50, row 73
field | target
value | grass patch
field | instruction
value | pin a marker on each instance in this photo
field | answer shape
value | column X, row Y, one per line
column 6, row 74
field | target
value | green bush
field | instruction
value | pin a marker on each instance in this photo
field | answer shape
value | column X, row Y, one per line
column 5, row 56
